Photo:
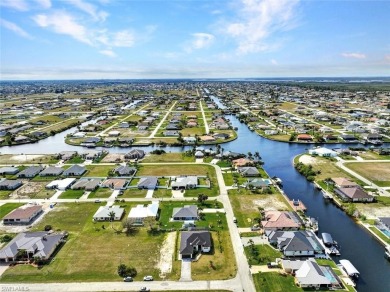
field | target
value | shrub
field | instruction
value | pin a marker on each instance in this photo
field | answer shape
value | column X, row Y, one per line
column 47, row 227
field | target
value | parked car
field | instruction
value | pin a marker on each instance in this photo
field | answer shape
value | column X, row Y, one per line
column 128, row 279
column 234, row 220
column 144, row 289
column 148, row 278
column 97, row 201
column 272, row 265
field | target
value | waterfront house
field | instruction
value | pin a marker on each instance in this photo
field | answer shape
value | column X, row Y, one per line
column 353, row 194
column 280, row 220
column 248, row 171
column 304, row 138
column 193, row 242
column 23, row 215
column 135, row 154
column 342, row 182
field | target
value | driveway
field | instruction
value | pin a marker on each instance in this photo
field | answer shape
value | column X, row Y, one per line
column 3, row 268
column 185, row 270
column 149, row 194
column 177, row 194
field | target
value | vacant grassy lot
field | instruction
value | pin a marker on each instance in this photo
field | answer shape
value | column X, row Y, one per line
column 101, row 193
column 98, row 170
column 378, row 173
column 4, row 194
column 77, row 259
column 219, row 263
column 274, row 282
column 245, row 205
column 27, row 158
column 370, row 155
column 261, row 254
column 8, row 207
column 169, row 157
column 133, row 193
column 72, row 194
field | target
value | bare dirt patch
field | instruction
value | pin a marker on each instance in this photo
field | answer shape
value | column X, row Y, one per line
column 307, row 159
column 166, row 254
column 32, row 190
column 113, row 158
column 373, row 212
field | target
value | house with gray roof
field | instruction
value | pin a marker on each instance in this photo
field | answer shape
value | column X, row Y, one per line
column 40, row 244
column 124, row 170
column 193, row 242
column 248, row 171
column 135, row 154
column 66, row 155
column 51, row 171
column 75, row 170
column 86, row 184
column 188, row 212
column 296, row 243
column 9, row 170
column 354, row 194
column 184, row 183
column 30, row 171
column 103, row 213
column 258, row 183
column 148, row 183
column 10, row 184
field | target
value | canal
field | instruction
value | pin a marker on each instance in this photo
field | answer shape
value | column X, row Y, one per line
column 357, row 245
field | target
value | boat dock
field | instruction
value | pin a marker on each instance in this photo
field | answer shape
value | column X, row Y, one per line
column 297, row 205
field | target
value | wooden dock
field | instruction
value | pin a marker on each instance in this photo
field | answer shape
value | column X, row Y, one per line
column 297, row 205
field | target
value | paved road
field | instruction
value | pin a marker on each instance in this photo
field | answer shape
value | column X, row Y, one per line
column 162, row 121
column 206, row 125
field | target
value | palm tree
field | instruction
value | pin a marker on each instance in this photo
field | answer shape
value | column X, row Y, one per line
column 111, row 215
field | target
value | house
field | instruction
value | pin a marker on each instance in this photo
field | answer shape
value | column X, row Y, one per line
column 248, row 171
column 280, row 220
column 296, row 243
column 104, row 213
column 86, row 184
column 312, row 275
column 342, row 182
column 241, row 162
column 188, row 212
column 171, row 134
column 222, row 136
column 172, row 127
column 10, row 184
column 304, row 137
column 322, row 151
column 92, row 154
column 189, row 140
column 184, row 183
column 354, row 194
column 148, row 182
column 135, row 154
column 207, row 138
column 124, row 170
column 66, row 155
column 23, row 215
column 384, row 223
column 115, row 183
column 9, row 170
column 30, row 172
column 61, row 184
column 75, row 170
column 349, row 138
column 199, row 154
column 40, row 244
column 138, row 214
column 193, row 242
column 257, row 183
column 51, row 171
column 114, row 133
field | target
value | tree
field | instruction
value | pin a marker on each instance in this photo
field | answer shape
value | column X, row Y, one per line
column 202, row 198
column 130, row 229
column 122, row 270
column 131, row 272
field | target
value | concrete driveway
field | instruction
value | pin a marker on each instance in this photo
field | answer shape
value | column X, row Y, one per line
column 149, row 194
column 185, row 270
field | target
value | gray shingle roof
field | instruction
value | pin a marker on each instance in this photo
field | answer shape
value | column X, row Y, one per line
column 189, row 239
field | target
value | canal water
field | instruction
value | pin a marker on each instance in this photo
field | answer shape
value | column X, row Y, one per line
column 357, row 245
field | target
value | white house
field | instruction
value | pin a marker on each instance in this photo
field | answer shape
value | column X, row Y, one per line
column 103, row 213
column 61, row 184
column 324, row 152
column 139, row 213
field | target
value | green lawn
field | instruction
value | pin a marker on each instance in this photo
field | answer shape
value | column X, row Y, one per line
column 98, row 170
column 72, row 194
column 380, row 234
column 133, row 193
column 261, row 254
column 101, row 193
column 4, row 194
column 168, row 157
column 76, row 159
column 162, row 193
column 7, row 208
column 274, row 282
column 87, row 242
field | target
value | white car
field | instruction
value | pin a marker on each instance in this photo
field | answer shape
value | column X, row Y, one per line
column 148, row 278
column 144, row 289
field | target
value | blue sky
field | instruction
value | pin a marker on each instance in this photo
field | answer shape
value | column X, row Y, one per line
column 87, row 39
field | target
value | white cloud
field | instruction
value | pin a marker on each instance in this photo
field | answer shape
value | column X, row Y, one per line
column 92, row 10
column 46, row 4
column 20, row 5
column 199, row 40
column 354, row 55
column 63, row 23
column 123, row 38
column 108, row 53
column 258, row 20
column 15, row 28
column 274, row 62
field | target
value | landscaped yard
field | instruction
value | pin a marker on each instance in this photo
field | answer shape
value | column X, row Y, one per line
column 8, row 207
column 77, row 259
column 275, row 282
column 377, row 172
